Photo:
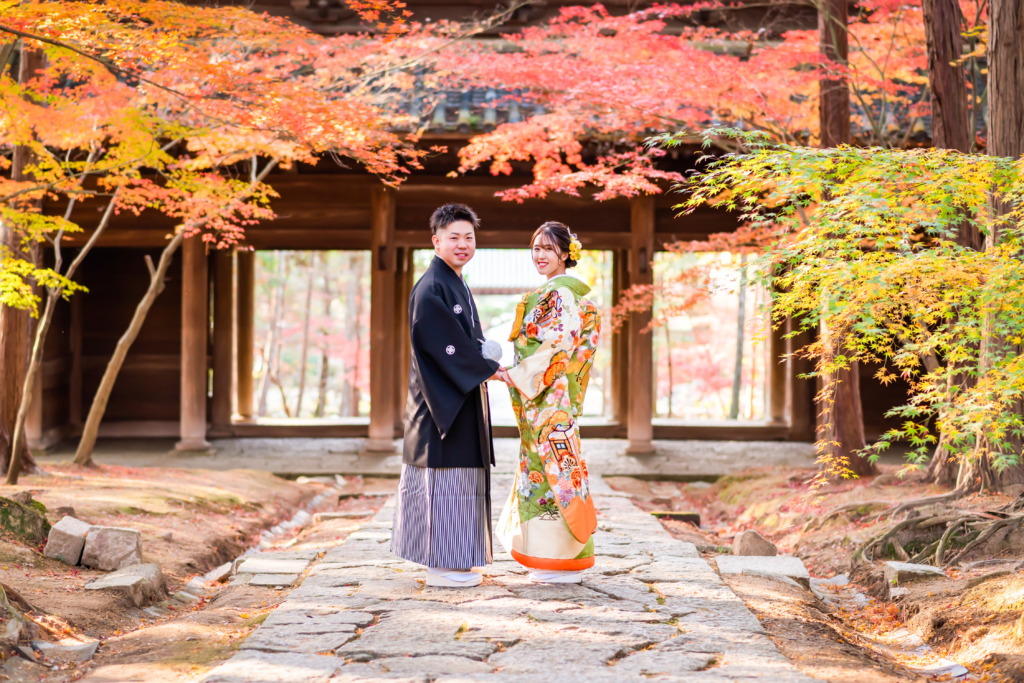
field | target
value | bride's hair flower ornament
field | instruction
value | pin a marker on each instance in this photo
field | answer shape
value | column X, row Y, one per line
column 575, row 248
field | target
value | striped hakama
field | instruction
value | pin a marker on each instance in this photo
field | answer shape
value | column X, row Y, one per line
column 443, row 517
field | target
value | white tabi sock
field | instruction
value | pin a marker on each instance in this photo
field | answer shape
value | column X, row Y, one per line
column 453, row 574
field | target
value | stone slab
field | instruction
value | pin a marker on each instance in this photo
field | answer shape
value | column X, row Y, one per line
column 273, row 579
column 141, row 583
column 773, row 567
column 266, row 565
column 898, row 573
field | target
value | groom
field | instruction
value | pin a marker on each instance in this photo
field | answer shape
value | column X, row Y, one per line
column 443, row 513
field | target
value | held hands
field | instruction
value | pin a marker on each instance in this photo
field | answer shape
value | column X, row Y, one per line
column 501, row 375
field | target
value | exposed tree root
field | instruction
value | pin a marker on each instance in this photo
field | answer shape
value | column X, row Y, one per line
column 990, row 530
column 955, row 494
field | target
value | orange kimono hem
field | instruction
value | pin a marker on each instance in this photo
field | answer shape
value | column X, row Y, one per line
column 550, row 563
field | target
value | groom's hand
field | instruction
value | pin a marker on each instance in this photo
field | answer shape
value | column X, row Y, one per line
column 501, row 374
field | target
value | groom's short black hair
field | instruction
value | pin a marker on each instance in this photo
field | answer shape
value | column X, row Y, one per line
column 447, row 214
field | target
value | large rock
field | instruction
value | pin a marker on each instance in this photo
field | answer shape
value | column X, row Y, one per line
column 752, row 543
column 142, row 583
column 67, row 540
column 111, row 547
column 899, row 573
column 23, row 520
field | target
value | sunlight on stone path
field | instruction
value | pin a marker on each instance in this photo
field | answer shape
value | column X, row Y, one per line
column 651, row 609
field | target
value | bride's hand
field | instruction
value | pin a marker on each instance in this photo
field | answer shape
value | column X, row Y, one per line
column 499, row 374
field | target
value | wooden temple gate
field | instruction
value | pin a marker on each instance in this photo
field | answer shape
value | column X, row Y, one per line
column 189, row 374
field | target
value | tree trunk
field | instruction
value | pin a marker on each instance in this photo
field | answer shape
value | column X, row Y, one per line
column 325, row 359
column 16, row 325
column 951, row 129
column 307, row 319
column 53, row 296
column 1005, row 134
column 671, row 378
column 272, row 346
column 834, row 90
column 843, row 420
column 737, row 374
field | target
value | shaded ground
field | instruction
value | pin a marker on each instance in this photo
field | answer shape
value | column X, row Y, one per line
column 972, row 616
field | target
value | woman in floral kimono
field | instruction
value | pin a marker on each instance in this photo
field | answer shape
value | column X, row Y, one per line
column 549, row 517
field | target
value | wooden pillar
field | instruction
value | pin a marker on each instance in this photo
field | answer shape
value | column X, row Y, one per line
column 403, row 344
column 246, row 325
column 382, row 323
column 803, row 411
column 640, row 408
column 223, row 341
column 194, row 323
column 619, row 369
column 778, row 375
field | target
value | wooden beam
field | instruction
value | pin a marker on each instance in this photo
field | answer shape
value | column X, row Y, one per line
column 382, row 323
column 640, row 405
column 223, row 339
column 194, row 320
column 246, row 325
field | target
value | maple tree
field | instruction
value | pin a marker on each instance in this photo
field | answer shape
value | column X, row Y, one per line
column 865, row 243
column 157, row 106
column 608, row 82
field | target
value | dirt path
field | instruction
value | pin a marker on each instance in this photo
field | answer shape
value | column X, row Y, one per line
column 191, row 521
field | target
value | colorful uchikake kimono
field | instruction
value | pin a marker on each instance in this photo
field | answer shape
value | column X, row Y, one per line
column 549, row 517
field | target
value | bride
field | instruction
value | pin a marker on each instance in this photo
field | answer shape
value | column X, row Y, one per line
column 549, row 516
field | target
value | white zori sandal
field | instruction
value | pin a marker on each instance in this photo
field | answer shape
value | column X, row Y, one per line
column 556, row 576
column 452, row 578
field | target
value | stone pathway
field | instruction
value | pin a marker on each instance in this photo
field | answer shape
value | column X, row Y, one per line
column 651, row 609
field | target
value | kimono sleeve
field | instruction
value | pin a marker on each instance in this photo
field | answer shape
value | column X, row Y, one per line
column 558, row 322
column 450, row 358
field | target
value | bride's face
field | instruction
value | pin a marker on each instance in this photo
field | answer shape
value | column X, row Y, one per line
column 547, row 259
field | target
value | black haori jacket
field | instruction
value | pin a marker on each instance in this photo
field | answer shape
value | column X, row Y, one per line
column 446, row 420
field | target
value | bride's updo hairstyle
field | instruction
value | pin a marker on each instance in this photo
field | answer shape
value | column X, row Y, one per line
column 563, row 239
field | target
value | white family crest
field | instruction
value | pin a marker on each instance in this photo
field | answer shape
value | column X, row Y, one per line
column 457, row 308
column 450, row 350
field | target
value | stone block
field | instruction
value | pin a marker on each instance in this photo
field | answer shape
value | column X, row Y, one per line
column 262, row 565
column 111, row 547
column 899, row 573
column 345, row 514
column 751, row 543
column 218, row 574
column 273, row 580
column 779, row 567
column 67, row 540
column 142, row 583
column 66, row 654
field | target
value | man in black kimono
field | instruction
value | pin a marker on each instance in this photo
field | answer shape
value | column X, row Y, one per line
column 443, row 516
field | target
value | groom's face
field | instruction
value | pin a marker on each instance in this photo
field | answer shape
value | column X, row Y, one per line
column 456, row 244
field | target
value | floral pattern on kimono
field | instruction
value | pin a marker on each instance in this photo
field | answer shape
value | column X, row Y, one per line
column 555, row 335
